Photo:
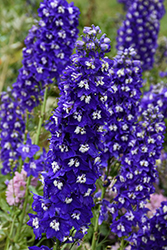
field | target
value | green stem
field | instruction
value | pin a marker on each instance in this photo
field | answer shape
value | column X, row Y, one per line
column 122, row 245
column 39, row 242
column 41, row 116
column 96, row 221
column 10, row 234
column 57, row 245
column 29, row 178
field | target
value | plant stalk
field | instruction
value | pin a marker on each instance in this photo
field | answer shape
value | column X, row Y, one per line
column 10, row 234
column 41, row 116
column 96, row 221
column 122, row 245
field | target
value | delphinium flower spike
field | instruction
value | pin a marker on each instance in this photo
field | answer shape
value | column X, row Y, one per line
column 138, row 171
column 153, row 233
column 12, row 127
column 73, row 158
column 49, row 46
column 140, row 30
column 157, row 96
column 123, row 102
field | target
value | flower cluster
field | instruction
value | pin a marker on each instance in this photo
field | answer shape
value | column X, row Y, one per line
column 12, row 131
column 153, row 234
column 140, row 30
column 74, row 155
column 49, row 46
column 157, row 96
column 16, row 188
column 123, row 102
column 138, row 172
column 48, row 49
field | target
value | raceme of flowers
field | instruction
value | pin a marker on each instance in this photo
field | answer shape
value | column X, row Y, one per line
column 16, row 187
column 140, row 30
column 49, row 46
column 153, row 233
column 12, row 131
column 138, row 172
column 74, row 155
column 157, row 95
column 123, row 102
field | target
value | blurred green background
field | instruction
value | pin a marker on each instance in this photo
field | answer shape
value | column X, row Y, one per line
column 17, row 17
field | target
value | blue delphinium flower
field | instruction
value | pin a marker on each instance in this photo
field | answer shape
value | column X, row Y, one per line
column 28, row 149
column 39, row 248
column 140, row 30
column 163, row 74
column 73, row 158
column 49, row 46
column 138, row 172
column 12, row 131
column 157, row 96
column 153, row 233
column 34, row 167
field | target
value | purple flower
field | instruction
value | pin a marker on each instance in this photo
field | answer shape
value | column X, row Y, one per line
column 49, row 46
column 152, row 234
column 39, row 248
column 34, row 167
column 157, row 96
column 123, row 102
column 138, row 171
column 76, row 126
column 163, row 74
column 28, row 149
column 140, row 30
column 12, row 131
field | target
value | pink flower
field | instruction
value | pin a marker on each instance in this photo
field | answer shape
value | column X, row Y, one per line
column 155, row 202
column 16, row 188
column 117, row 246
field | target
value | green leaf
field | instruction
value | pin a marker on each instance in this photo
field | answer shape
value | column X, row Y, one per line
column 5, row 216
column 4, row 206
column 32, row 189
column 2, row 235
column 79, row 247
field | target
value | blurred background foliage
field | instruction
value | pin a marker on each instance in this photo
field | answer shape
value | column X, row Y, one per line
column 17, row 17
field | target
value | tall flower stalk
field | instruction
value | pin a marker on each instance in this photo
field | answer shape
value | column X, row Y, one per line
column 74, row 157
column 140, row 30
column 49, row 46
